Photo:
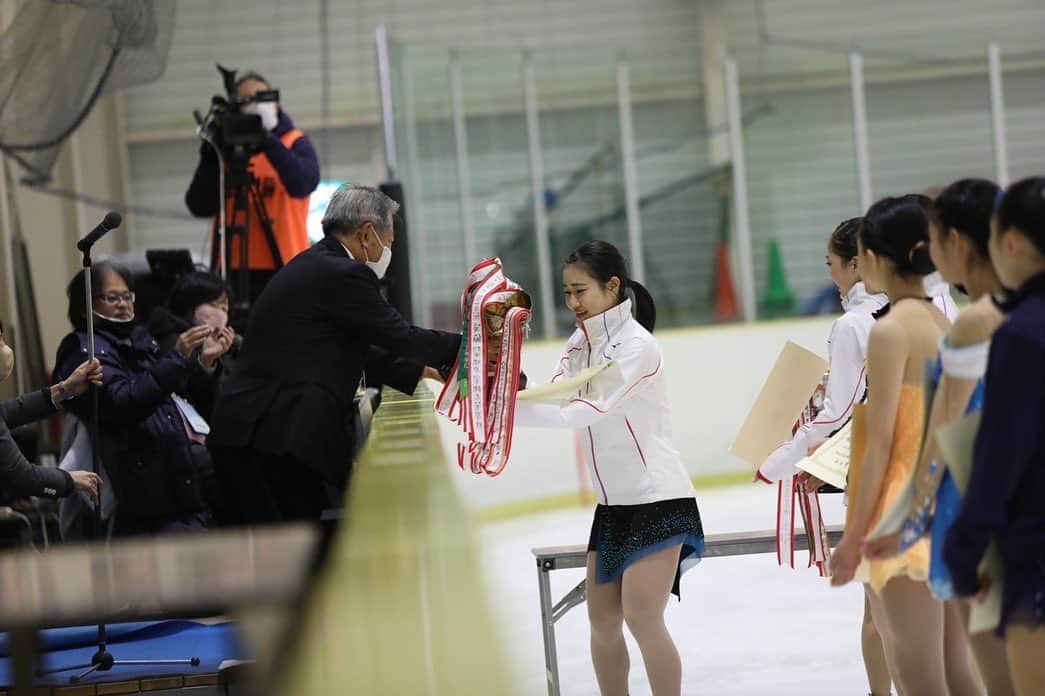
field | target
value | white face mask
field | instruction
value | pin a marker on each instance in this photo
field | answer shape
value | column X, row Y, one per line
column 380, row 267
column 266, row 110
column 7, row 360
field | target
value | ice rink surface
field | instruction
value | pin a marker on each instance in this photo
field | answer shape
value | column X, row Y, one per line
column 745, row 627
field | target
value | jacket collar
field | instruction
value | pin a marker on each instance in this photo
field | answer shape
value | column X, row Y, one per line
column 601, row 328
column 1035, row 285
column 139, row 340
column 935, row 285
column 332, row 243
column 284, row 125
column 858, row 296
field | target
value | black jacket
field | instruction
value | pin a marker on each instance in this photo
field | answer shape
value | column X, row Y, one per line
column 166, row 327
column 144, row 445
column 19, row 478
column 1005, row 499
column 311, row 334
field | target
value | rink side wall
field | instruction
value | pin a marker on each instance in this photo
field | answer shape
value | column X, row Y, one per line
column 714, row 374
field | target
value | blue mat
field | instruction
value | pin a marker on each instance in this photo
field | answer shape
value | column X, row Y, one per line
column 165, row 640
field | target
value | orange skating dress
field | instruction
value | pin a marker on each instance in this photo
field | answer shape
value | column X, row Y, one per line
column 903, row 457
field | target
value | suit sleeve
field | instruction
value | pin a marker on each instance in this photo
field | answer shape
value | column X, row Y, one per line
column 845, row 386
column 1004, row 449
column 297, row 166
column 360, row 309
column 19, row 478
column 634, row 363
column 27, row 408
column 401, row 374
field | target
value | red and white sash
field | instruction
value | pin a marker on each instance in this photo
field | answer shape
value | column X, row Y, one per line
column 485, row 407
column 808, row 503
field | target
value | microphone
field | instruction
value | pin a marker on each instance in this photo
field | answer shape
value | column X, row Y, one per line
column 111, row 222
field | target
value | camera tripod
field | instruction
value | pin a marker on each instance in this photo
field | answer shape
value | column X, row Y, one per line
column 247, row 198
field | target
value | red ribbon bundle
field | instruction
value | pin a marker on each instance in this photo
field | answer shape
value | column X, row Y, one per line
column 788, row 492
column 480, row 394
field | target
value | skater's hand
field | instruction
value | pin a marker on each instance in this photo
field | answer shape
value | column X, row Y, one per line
column 844, row 560
column 883, row 547
column 808, row 482
column 759, row 478
column 985, row 587
column 431, row 373
column 87, row 482
column 814, row 447
column 191, row 339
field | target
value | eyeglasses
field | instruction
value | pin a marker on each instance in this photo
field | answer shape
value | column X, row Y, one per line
column 114, row 298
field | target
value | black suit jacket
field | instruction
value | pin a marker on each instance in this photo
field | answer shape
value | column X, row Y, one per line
column 19, row 478
column 311, row 334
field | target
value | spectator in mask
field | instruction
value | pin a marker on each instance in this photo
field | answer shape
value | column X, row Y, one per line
column 196, row 299
column 199, row 299
column 19, row 478
column 286, row 171
column 148, row 406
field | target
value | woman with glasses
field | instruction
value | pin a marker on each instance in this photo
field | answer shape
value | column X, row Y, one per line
column 148, row 405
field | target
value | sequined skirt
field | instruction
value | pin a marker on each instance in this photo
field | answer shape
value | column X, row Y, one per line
column 624, row 534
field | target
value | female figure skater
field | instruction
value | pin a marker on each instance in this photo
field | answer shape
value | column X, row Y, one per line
column 647, row 529
column 847, row 351
column 960, row 223
column 894, row 258
column 846, row 383
column 1006, row 495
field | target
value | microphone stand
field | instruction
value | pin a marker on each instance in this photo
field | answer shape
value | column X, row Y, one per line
column 103, row 660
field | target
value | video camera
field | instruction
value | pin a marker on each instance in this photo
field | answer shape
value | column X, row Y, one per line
column 237, row 134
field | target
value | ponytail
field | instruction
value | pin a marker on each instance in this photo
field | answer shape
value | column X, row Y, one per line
column 645, row 308
column 604, row 261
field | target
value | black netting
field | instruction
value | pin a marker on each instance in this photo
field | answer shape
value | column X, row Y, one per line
column 56, row 59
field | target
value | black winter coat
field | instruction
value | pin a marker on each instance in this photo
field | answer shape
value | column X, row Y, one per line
column 144, row 445
column 166, row 327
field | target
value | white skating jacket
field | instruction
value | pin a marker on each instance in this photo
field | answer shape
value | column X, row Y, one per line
column 622, row 412
column 940, row 292
column 846, row 381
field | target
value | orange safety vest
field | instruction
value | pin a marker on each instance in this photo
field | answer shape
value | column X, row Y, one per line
column 289, row 216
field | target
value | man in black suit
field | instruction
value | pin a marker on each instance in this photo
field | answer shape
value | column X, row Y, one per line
column 281, row 449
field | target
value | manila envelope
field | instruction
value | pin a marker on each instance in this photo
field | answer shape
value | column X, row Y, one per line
column 956, row 440
column 785, row 393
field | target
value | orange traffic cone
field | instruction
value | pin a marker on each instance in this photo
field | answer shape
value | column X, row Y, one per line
column 725, row 297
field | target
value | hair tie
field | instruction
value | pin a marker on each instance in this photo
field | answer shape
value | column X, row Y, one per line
column 918, row 245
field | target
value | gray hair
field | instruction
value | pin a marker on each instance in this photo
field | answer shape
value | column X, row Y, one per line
column 352, row 206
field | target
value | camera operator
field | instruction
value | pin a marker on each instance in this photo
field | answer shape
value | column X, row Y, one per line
column 287, row 172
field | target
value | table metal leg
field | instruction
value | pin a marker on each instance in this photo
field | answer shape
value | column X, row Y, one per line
column 551, row 663
column 576, row 596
